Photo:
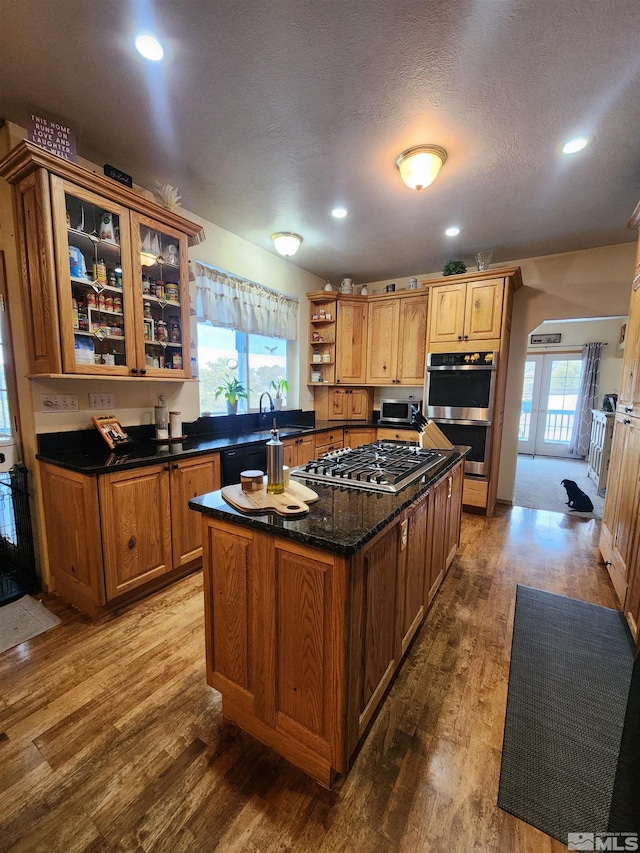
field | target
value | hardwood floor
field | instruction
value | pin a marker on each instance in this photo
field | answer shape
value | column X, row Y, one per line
column 110, row 739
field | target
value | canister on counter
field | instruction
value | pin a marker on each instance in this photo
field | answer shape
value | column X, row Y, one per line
column 252, row 480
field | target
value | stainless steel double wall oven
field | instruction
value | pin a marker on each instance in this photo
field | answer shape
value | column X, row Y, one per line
column 459, row 396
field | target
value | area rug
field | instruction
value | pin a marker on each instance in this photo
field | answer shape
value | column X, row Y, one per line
column 23, row 619
column 571, row 665
column 538, row 484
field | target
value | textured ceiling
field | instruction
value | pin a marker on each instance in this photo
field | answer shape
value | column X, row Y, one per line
column 265, row 115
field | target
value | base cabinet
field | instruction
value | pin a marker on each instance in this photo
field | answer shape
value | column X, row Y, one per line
column 355, row 436
column 303, row 643
column 620, row 529
column 124, row 533
column 297, row 451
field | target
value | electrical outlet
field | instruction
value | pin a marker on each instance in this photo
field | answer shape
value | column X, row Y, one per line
column 101, row 401
column 59, row 402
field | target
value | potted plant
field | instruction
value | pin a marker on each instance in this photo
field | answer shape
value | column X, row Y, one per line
column 280, row 387
column 454, row 268
column 232, row 391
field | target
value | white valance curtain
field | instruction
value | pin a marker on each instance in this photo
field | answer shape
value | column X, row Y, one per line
column 228, row 300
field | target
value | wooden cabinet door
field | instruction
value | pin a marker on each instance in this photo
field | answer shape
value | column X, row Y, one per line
column 297, row 451
column 483, row 310
column 136, row 527
column 72, row 520
column 351, row 343
column 190, row 478
column 290, row 452
column 90, row 324
column 360, row 404
column 628, row 497
column 629, row 396
column 455, row 482
column 412, row 565
column 355, row 436
column 412, row 354
column 382, row 342
column 338, row 404
column 446, row 313
column 438, row 545
column 381, row 644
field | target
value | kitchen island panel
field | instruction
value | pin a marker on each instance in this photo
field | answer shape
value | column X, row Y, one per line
column 230, row 647
column 275, row 628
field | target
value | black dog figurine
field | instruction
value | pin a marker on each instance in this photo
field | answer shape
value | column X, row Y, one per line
column 578, row 501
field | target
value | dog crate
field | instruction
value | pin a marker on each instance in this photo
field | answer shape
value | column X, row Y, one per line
column 18, row 575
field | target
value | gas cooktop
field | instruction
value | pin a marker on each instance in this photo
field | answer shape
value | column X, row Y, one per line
column 382, row 467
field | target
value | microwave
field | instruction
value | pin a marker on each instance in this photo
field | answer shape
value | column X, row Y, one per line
column 398, row 412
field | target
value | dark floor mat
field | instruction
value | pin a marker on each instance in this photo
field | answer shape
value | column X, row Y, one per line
column 571, row 665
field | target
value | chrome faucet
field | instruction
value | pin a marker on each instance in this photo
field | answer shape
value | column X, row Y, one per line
column 264, row 414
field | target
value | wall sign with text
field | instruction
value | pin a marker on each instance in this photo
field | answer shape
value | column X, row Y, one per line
column 546, row 339
column 55, row 136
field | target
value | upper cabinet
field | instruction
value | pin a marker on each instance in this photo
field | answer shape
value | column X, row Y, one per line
column 397, row 345
column 106, row 282
column 466, row 312
column 351, row 343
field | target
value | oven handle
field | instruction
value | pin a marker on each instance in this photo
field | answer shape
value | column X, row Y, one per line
column 456, row 367
column 461, row 422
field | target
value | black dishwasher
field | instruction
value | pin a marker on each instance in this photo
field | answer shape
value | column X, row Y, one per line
column 237, row 459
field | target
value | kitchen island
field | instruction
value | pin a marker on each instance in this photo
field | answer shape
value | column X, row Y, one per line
column 308, row 619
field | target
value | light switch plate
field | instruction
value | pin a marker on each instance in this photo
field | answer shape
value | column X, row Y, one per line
column 59, row 402
column 101, row 401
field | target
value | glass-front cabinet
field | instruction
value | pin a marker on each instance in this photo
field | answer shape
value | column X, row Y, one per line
column 122, row 288
column 105, row 272
column 161, row 298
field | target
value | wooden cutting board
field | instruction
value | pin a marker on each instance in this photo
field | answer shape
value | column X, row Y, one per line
column 293, row 501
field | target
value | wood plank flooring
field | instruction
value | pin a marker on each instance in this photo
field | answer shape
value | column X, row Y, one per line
column 110, row 739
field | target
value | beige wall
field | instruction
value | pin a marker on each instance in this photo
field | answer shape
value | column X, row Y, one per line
column 589, row 283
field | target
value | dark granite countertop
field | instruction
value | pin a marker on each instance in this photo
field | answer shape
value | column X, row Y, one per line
column 85, row 451
column 342, row 520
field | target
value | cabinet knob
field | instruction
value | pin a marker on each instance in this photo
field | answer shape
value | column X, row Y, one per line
column 626, row 421
column 143, row 371
column 466, row 337
column 607, row 562
column 165, row 467
column 337, row 380
column 628, row 409
column 175, row 466
column 459, row 337
column 132, row 543
column 134, row 370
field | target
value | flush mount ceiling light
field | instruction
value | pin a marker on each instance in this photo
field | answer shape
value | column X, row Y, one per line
column 339, row 212
column 149, row 47
column 286, row 242
column 575, row 145
column 419, row 166
column 452, row 231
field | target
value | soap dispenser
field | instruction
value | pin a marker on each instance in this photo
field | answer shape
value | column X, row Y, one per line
column 275, row 463
column 162, row 419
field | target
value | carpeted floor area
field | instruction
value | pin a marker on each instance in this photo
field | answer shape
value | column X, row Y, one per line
column 538, row 484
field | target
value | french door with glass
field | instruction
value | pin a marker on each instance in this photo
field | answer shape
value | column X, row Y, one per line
column 549, row 399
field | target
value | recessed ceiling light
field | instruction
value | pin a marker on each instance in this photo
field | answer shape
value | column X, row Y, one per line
column 575, row 145
column 339, row 212
column 149, row 47
column 453, row 231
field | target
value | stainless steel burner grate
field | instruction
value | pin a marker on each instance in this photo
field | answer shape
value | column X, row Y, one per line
column 383, row 466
